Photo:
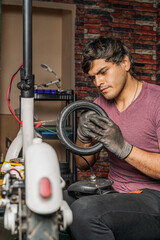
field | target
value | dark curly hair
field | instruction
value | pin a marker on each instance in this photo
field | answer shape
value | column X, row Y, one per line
column 113, row 50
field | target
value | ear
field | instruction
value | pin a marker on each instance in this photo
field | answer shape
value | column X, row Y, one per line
column 126, row 63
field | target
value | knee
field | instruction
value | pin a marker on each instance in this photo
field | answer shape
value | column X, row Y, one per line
column 80, row 209
column 82, row 213
column 68, row 197
column 87, row 223
column 79, row 227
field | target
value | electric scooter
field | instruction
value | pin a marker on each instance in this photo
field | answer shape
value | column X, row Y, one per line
column 32, row 189
column 33, row 202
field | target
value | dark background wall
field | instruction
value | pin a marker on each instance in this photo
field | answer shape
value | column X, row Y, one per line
column 136, row 23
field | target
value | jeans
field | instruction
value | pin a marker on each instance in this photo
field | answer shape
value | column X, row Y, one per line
column 120, row 216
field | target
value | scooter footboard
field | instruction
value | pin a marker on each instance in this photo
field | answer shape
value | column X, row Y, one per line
column 42, row 178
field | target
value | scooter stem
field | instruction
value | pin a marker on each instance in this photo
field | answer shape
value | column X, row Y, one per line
column 27, row 79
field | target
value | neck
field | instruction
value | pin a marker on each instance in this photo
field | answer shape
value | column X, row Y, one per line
column 129, row 93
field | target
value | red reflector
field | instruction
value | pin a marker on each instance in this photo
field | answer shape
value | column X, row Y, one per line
column 45, row 188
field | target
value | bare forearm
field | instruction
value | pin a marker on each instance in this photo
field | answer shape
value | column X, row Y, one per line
column 80, row 162
column 146, row 162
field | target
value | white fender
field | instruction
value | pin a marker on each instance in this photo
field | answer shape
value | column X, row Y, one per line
column 15, row 147
column 40, row 162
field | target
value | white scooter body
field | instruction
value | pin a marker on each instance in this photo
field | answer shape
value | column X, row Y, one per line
column 41, row 164
column 43, row 184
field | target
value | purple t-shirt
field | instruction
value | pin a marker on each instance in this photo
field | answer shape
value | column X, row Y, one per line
column 140, row 126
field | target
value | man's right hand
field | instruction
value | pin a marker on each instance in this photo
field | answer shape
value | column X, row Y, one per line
column 82, row 131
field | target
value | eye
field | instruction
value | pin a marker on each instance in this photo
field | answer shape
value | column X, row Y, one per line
column 104, row 72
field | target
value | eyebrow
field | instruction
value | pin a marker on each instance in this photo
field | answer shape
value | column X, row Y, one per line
column 100, row 70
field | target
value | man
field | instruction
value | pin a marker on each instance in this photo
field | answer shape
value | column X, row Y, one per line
column 131, row 136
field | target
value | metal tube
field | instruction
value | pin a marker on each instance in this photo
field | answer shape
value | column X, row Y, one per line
column 74, row 128
column 27, row 116
column 27, row 95
column 27, row 37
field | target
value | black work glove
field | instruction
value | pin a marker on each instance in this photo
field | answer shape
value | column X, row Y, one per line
column 82, row 131
column 104, row 130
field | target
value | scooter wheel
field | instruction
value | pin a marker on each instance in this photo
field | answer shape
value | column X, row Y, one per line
column 61, row 127
column 41, row 226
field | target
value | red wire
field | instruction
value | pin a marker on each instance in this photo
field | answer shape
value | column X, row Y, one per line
column 13, row 169
column 8, row 95
column 38, row 125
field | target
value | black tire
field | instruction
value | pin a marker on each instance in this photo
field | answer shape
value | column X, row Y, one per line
column 42, row 227
column 61, row 127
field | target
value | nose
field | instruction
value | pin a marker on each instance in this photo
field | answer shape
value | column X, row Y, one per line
column 99, row 80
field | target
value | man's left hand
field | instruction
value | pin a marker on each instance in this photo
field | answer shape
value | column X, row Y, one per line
column 104, row 130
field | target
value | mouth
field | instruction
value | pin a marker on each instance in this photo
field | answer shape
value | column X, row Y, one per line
column 103, row 90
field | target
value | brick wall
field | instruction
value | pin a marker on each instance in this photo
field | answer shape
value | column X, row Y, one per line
column 136, row 23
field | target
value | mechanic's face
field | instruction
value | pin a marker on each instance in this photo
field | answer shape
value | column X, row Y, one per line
column 109, row 77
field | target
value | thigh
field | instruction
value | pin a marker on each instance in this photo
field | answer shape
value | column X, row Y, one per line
column 134, row 216
column 128, row 216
